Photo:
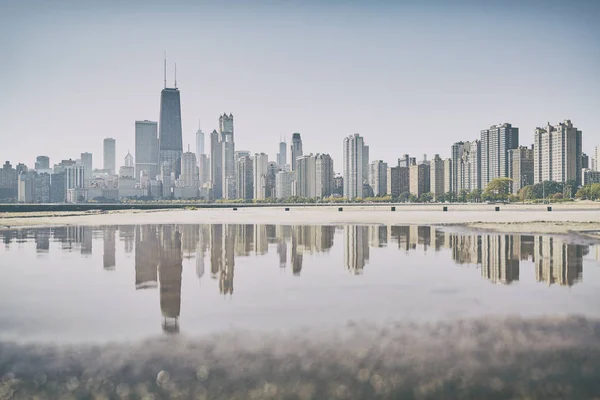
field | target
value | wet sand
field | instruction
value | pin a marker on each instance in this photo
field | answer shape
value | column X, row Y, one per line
column 580, row 217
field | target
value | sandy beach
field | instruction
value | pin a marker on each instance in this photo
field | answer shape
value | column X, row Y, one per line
column 580, row 217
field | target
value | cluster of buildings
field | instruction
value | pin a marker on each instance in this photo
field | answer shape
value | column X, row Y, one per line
column 160, row 169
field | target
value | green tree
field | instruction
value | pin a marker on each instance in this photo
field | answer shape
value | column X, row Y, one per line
column 498, row 189
column 474, row 196
column 462, row 195
column 426, row 197
column 403, row 197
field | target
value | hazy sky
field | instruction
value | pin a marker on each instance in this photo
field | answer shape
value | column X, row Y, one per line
column 411, row 77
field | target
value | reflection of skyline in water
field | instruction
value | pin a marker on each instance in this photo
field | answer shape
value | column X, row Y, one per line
column 159, row 251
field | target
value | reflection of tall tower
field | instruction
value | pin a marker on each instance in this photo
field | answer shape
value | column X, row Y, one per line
column 260, row 239
column 498, row 262
column 86, row 240
column 127, row 234
column 227, row 268
column 169, row 272
column 108, row 258
column 42, row 240
column 216, row 248
column 356, row 247
column 296, row 255
column 377, row 236
column 557, row 262
column 146, row 256
column 201, row 250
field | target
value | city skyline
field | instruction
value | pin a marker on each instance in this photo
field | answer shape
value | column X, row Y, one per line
column 465, row 92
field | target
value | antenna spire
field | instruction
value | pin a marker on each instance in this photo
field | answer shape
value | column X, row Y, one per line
column 199, row 127
column 165, row 69
column 175, row 75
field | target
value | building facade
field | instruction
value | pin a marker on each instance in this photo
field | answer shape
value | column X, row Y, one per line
column 169, row 130
column 306, row 176
column 228, row 156
column 245, row 178
column 353, row 173
column 110, row 155
column 557, row 153
column 520, row 167
column 146, row 148
column 419, row 179
column 282, row 155
column 436, row 176
column 324, row 176
column 283, row 184
column 378, row 177
column 260, row 166
column 216, row 157
column 296, row 149
column 495, row 143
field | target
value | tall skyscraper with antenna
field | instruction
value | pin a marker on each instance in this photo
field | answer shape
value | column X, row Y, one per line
column 170, row 132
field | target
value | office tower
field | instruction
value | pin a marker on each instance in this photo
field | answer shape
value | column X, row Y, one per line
column 436, row 176
column 75, row 176
column 228, row 156
column 216, row 166
column 260, row 164
column 378, row 177
column 365, row 176
column 204, row 169
column 272, row 170
column 199, row 142
column 245, row 178
column 557, row 153
column 448, row 168
column 306, row 176
column 596, row 159
column 467, row 166
column 353, row 166
column 8, row 182
column 42, row 187
column 325, row 174
column 26, row 187
column 58, row 187
column 189, row 170
column 146, row 148
column 393, row 181
column 495, row 143
column 42, row 162
column 110, row 154
column 166, row 179
column 520, row 167
column 283, row 184
column 282, row 155
column 86, row 161
column 296, row 149
column 419, row 179
column 170, row 133
column 456, row 155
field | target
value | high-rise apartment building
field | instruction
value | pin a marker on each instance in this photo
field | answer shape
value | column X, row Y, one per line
column 557, row 153
column 166, row 179
column 8, row 182
column 456, row 155
column 260, row 166
column 378, row 177
column 283, row 184
column 110, row 155
column 296, row 149
column 170, row 134
column 436, row 176
column 75, row 177
column 306, row 176
column 272, row 170
column 325, row 175
column 26, row 187
column 467, row 166
column 189, row 170
column 495, row 143
column 404, row 161
column 228, row 156
column 354, row 157
column 393, row 181
column 596, row 159
column 448, row 168
column 146, row 148
column 245, row 178
column 419, row 179
column 282, row 155
column 216, row 157
column 520, row 167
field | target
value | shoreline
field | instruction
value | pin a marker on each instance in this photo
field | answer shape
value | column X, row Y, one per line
column 581, row 219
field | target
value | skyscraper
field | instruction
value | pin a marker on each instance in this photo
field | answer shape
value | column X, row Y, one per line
column 245, row 178
column 146, row 148
column 557, row 153
column 456, row 154
column 189, row 170
column 325, row 174
column 393, row 181
column 495, row 143
column 199, row 142
column 296, row 149
column 520, row 167
column 170, row 134
column 353, row 166
column 468, row 167
column 436, row 176
column 216, row 166
column 306, row 174
column 110, row 155
column 42, row 162
column 282, row 155
column 129, row 160
column 419, row 179
column 283, row 184
column 260, row 165
column 378, row 177
column 228, row 156
column 86, row 161
column 596, row 159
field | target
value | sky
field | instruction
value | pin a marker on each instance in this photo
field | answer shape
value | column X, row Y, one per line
column 409, row 76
